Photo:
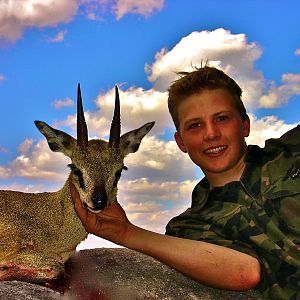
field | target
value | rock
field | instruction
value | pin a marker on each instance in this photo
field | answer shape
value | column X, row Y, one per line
column 17, row 290
column 121, row 274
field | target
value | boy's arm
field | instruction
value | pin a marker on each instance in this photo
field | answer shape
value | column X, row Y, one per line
column 207, row 263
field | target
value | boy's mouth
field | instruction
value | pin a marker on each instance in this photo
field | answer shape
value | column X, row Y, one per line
column 215, row 150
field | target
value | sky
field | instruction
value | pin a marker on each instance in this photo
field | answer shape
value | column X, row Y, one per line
column 47, row 47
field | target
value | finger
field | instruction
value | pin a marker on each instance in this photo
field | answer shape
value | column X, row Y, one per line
column 74, row 193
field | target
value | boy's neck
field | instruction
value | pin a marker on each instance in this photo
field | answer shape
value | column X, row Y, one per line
column 220, row 179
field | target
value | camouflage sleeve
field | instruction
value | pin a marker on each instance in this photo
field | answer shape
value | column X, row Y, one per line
column 189, row 225
column 290, row 140
column 292, row 136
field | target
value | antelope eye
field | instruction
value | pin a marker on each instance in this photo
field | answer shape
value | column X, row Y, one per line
column 78, row 174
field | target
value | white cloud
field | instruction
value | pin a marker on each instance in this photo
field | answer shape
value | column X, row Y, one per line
column 59, row 37
column 145, row 190
column 58, row 103
column 138, row 106
column 146, row 8
column 290, row 77
column 266, row 128
column 37, row 162
column 280, row 95
column 17, row 15
column 4, row 173
column 145, row 211
column 233, row 54
column 92, row 242
column 297, row 52
column 29, row 188
column 25, row 146
column 155, row 152
column 230, row 52
column 95, row 9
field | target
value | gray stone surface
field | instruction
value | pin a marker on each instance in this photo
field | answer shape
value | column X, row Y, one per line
column 17, row 290
column 122, row 274
column 125, row 274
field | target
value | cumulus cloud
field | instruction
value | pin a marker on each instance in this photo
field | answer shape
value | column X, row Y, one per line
column 146, row 8
column 25, row 146
column 138, row 106
column 28, row 188
column 146, row 191
column 17, row 15
column 290, row 77
column 230, row 52
column 37, row 162
column 95, row 8
column 151, row 209
column 266, row 128
column 280, row 95
column 155, row 152
column 59, row 37
column 233, row 54
column 5, row 172
column 58, row 103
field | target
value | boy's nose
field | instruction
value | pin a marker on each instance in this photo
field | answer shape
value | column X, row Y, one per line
column 212, row 132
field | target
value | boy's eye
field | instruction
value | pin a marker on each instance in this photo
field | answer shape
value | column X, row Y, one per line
column 194, row 125
column 222, row 118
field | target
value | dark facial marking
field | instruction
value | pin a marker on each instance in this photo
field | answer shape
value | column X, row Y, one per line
column 118, row 175
column 78, row 174
column 54, row 147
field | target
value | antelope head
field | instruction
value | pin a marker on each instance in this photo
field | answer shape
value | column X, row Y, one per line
column 96, row 164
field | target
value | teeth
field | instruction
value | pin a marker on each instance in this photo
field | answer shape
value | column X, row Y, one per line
column 215, row 150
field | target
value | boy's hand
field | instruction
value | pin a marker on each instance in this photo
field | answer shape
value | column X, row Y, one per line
column 111, row 223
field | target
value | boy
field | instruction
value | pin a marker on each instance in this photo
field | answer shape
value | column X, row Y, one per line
column 243, row 227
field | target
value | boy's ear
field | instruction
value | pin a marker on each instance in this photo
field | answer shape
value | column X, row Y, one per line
column 246, row 126
column 180, row 142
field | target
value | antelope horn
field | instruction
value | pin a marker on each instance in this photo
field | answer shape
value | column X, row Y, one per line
column 115, row 129
column 82, row 133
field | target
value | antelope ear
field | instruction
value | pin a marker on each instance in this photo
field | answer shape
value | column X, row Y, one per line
column 130, row 141
column 58, row 141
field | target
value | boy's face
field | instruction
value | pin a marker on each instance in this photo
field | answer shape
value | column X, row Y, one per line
column 212, row 131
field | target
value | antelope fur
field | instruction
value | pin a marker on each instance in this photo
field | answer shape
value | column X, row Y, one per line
column 39, row 231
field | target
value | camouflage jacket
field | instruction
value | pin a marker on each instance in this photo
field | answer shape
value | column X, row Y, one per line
column 258, row 215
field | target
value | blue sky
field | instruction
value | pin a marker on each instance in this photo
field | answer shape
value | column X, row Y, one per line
column 47, row 47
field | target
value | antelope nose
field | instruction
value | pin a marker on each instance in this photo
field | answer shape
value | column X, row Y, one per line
column 99, row 200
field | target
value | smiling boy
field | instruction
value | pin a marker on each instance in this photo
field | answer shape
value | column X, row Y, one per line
column 249, row 199
column 243, row 228
column 212, row 132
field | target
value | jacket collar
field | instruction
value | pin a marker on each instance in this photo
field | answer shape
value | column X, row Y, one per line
column 250, row 179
